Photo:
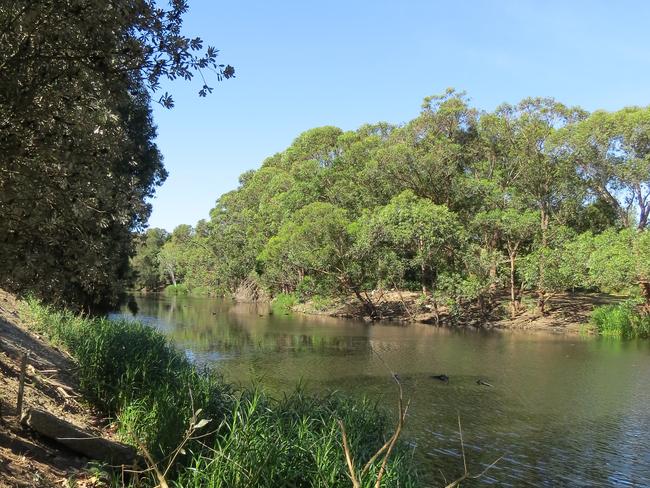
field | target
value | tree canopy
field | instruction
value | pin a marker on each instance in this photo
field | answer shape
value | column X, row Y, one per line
column 459, row 203
column 78, row 157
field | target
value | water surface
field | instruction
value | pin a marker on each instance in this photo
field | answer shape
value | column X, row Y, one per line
column 563, row 410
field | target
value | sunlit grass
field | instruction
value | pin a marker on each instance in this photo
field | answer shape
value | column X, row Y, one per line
column 622, row 321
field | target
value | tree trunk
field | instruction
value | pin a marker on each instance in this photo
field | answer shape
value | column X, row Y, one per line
column 514, row 308
column 423, row 279
column 423, row 275
column 542, row 264
column 368, row 306
column 172, row 275
column 541, row 302
column 493, row 265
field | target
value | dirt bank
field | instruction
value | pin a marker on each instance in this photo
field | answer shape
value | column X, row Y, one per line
column 566, row 312
column 26, row 459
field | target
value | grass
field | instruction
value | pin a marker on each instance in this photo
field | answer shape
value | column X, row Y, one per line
column 152, row 392
column 622, row 321
column 284, row 303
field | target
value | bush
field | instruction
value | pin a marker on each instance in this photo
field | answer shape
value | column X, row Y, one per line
column 179, row 289
column 321, row 303
column 284, row 303
column 622, row 320
column 201, row 291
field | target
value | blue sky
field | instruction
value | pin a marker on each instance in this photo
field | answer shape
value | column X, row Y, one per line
column 306, row 64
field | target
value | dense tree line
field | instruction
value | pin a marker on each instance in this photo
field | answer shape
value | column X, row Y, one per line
column 460, row 204
column 77, row 154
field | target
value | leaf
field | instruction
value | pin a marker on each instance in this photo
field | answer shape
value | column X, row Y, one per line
column 202, row 423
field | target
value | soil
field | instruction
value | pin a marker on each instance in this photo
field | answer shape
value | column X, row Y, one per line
column 27, row 460
column 565, row 312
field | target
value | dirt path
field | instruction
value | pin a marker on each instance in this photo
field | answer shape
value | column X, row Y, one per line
column 26, row 460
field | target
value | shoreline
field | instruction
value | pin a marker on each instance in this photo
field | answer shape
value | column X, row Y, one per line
column 27, row 459
column 568, row 313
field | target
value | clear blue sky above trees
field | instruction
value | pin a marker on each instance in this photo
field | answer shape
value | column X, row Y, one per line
column 306, row 64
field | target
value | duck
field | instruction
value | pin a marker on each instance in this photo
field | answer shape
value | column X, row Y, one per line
column 442, row 377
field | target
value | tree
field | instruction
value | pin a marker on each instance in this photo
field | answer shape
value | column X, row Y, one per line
column 146, row 263
column 619, row 261
column 430, row 154
column 552, row 268
column 511, row 232
column 78, row 159
column 612, row 153
column 173, row 255
column 424, row 235
column 315, row 242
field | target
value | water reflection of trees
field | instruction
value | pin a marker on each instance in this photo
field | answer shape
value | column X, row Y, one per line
column 210, row 324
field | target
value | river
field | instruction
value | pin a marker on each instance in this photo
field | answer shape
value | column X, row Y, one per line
column 561, row 411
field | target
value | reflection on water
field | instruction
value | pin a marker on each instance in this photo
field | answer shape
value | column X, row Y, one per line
column 563, row 411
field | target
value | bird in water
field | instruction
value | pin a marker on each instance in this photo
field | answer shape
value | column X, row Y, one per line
column 482, row 382
column 442, row 377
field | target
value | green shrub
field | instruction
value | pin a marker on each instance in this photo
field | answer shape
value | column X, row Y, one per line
column 179, row 289
column 201, row 291
column 621, row 320
column 284, row 303
column 321, row 303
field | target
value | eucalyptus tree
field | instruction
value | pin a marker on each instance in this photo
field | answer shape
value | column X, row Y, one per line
column 619, row 261
column 611, row 151
column 512, row 233
column 429, row 155
column 542, row 178
column 172, row 258
column 318, row 241
column 426, row 238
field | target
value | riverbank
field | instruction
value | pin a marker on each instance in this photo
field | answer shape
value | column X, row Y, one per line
column 185, row 422
column 565, row 312
column 26, row 459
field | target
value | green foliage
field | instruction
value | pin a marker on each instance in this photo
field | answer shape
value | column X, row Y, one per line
column 179, row 289
column 460, row 204
column 79, row 162
column 283, row 303
column 146, row 262
column 296, row 441
column 422, row 236
column 321, row 303
column 254, row 440
column 619, row 260
column 621, row 321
